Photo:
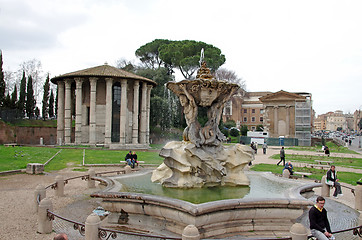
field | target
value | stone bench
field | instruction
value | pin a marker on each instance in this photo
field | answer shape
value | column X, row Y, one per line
column 34, row 168
column 320, row 162
column 139, row 163
column 303, row 174
column 10, row 144
column 318, row 166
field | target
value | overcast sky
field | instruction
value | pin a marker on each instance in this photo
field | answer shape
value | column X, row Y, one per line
column 297, row 46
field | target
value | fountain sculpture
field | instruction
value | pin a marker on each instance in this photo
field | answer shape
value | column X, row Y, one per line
column 201, row 160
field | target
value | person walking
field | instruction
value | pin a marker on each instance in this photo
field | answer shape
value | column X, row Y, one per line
column 332, row 180
column 318, row 220
column 265, row 146
column 282, row 156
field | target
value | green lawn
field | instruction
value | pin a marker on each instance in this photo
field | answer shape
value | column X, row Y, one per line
column 18, row 157
column 317, row 174
column 338, row 161
column 104, row 156
column 332, row 147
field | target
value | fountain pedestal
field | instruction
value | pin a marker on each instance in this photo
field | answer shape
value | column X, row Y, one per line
column 188, row 166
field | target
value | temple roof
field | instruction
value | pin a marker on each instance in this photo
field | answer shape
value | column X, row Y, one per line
column 102, row 71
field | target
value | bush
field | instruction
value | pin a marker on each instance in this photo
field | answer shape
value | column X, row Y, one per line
column 229, row 124
column 234, row 132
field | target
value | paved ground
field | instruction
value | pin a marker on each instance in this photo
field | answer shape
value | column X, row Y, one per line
column 18, row 220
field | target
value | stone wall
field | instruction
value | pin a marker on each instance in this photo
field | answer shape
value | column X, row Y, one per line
column 7, row 133
column 27, row 135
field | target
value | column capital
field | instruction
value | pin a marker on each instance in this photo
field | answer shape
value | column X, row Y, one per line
column 93, row 80
column 123, row 81
column 67, row 81
column 60, row 83
column 109, row 79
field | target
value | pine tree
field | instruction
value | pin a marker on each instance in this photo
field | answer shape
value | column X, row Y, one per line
column 14, row 97
column 30, row 100
column 51, row 104
column 45, row 102
column 2, row 81
column 22, row 95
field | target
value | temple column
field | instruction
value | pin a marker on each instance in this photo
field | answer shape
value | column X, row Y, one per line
column 92, row 110
column 149, row 88
column 143, row 127
column 136, row 89
column 287, row 120
column 123, row 112
column 108, row 127
column 276, row 120
column 78, row 110
column 60, row 113
column 67, row 112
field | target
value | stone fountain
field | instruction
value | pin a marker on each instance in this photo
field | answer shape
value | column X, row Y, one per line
column 201, row 160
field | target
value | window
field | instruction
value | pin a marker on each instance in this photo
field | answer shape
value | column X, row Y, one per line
column 253, row 128
column 252, row 110
column 253, row 119
column 245, row 110
column 261, row 119
column 261, row 111
column 245, row 119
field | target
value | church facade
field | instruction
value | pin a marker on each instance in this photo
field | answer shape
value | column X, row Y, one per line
column 109, row 106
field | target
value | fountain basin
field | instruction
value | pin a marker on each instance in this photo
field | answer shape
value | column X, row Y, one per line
column 262, row 216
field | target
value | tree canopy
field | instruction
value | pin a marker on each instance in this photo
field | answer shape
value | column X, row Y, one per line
column 183, row 55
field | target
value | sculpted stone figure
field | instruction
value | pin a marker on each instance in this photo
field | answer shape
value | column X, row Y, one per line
column 190, row 111
column 201, row 160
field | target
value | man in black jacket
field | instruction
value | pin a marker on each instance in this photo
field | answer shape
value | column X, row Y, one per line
column 319, row 224
column 332, row 180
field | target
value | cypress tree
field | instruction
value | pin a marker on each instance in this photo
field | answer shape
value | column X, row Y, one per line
column 45, row 102
column 14, row 97
column 51, row 104
column 22, row 95
column 2, row 81
column 30, row 100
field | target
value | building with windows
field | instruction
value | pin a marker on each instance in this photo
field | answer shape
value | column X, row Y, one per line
column 336, row 121
column 288, row 114
column 110, row 106
column 246, row 109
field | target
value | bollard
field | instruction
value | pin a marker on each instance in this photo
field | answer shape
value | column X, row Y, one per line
column 298, row 232
column 39, row 194
column 59, row 191
column 41, row 141
column 44, row 224
column 190, row 232
column 91, row 182
column 91, row 227
column 286, row 173
column 358, row 197
column 127, row 169
column 325, row 187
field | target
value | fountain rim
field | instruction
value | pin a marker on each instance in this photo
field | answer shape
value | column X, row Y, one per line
column 293, row 199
